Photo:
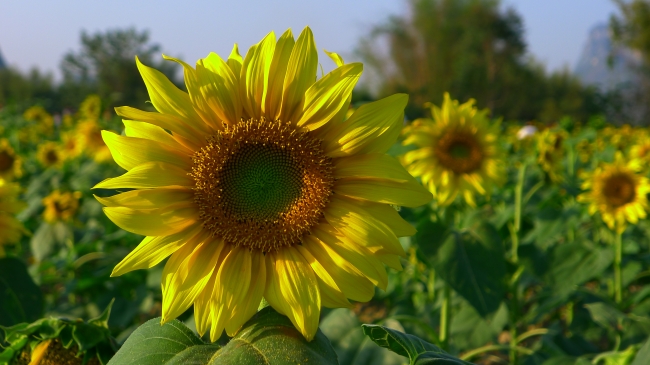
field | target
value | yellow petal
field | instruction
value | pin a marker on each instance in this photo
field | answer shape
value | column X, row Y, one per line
column 169, row 122
column 374, row 127
column 182, row 284
column 331, row 295
column 202, row 308
column 347, row 277
column 152, row 250
column 129, row 152
column 385, row 191
column 152, row 222
column 244, row 310
column 235, row 61
column 325, row 98
column 230, row 287
column 149, row 175
column 338, row 60
column 165, row 96
column 276, row 77
column 38, row 353
column 371, row 166
column 361, row 227
column 300, row 75
column 153, row 133
column 192, row 82
column 292, row 286
column 255, row 75
column 150, row 199
column 388, row 215
column 359, row 257
column 220, row 88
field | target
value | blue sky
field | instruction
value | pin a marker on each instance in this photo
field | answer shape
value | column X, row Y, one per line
column 39, row 32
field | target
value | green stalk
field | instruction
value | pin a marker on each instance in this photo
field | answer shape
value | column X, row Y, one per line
column 618, row 278
column 514, row 287
column 445, row 318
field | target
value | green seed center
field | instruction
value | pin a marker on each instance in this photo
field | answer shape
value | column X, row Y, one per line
column 261, row 182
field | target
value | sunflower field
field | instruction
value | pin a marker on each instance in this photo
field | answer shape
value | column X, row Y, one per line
column 258, row 216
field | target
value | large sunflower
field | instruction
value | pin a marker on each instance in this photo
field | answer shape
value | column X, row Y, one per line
column 10, row 228
column 456, row 152
column 617, row 191
column 261, row 189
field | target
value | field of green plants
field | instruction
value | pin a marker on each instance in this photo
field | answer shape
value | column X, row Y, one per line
column 527, row 273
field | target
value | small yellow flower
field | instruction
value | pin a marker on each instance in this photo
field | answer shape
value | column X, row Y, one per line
column 90, row 108
column 49, row 154
column 457, row 152
column 551, row 152
column 72, row 144
column 10, row 228
column 90, row 135
column 10, row 163
column 61, row 206
column 641, row 149
column 43, row 119
column 618, row 192
column 261, row 188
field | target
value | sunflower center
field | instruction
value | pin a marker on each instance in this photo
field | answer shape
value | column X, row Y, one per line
column 52, row 157
column 261, row 184
column 459, row 152
column 619, row 190
column 6, row 161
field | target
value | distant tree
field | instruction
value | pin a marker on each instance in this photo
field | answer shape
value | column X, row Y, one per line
column 106, row 65
column 632, row 29
column 24, row 90
column 472, row 49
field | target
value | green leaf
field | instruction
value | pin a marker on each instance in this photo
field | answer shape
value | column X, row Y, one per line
column 42, row 242
column 573, row 264
column 267, row 338
column 605, row 315
column 352, row 347
column 418, row 351
column 472, row 262
column 22, row 300
column 643, row 355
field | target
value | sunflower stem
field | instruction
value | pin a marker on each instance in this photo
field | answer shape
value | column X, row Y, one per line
column 618, row 278
column 514, row 287
column 445, row 318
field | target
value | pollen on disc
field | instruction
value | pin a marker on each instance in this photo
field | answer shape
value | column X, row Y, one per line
column 261, row 184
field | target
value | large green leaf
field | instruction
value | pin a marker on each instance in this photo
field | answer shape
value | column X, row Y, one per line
column 419, row 352
column 572, row 264
column 267, row 338
column 643, row 355
column 21, row 300
column 472, row 262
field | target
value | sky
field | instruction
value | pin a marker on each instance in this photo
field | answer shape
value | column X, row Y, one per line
column 37, row 33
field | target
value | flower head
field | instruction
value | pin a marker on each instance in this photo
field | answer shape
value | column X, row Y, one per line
column 551, row 152
column 10, row 228
column 456, row 152
column 261, row 188
column 618, row 192
column 61, row 206
column 10, row 162
column 49, row 154
column 89, row 135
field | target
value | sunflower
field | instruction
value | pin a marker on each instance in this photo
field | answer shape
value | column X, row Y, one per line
column 641, row 149
column 261, row 189
column 90, row 135
column 617, row 191
column 10, row 228
column 456, row 152
column 72, row 143
column 10, row 163
column 44, row 121
column 551, row 152
column 49, row 154
column 61, row 206
column 90, row 108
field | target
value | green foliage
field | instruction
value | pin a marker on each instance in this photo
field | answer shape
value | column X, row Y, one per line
column 22, row 300
column 88, row 340
column 267, row 338
column 418, row 351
